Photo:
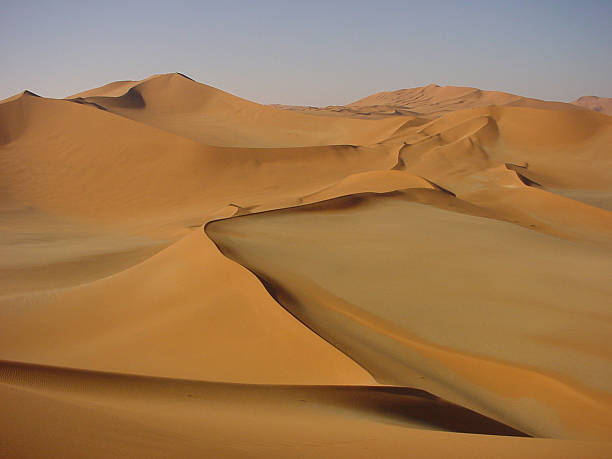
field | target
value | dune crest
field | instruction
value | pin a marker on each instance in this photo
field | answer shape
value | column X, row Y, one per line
column 187, row 273
column 431, row 101
column 599, row 104
column 175, row 103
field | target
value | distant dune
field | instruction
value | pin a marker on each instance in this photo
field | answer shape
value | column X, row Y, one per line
column 428, row 101
column 186, row 273
column 599, row 104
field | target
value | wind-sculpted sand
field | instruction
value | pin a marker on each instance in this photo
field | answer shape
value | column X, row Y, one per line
column 185, row 273
column 599, row 104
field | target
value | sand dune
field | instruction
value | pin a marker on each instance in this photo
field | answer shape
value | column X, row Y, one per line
column 434, row 100
column 114, row 89
column 423, row 270
column 110, row 414
column 599, row 104
column 202, row 113
column 429, row 102
column 187, row 312
column 410, row 305
column 44, row 251
column 59, row 157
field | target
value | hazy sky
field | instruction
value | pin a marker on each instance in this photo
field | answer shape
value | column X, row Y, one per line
column 310, row 52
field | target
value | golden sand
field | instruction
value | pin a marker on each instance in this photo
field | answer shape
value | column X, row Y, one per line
column 186, row 273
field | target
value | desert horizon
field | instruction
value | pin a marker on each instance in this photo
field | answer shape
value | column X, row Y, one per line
column 419, row 272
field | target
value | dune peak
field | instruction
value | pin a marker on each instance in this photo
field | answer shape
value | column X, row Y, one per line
column 184, row 268
column 596, row 103
column 22, row 94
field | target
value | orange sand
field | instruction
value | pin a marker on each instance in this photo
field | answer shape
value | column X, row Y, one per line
column 186, row 273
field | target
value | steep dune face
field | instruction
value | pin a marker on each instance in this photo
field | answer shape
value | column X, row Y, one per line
column 599, row 104
column 114, row 89
column 462, row 306
column 202, row 113
column 187, row 312
column 143, row 187
column 457, row 247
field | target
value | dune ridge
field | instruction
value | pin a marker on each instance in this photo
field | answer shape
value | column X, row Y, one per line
column 432, row 101
column 599, row 104
column 327, row 300
column 187, row 273
column 435, row 100
column 176, row 103
column 100, row 406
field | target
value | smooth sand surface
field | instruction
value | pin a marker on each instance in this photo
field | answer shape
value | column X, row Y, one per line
column 432, row 101
column 185, row 273
column 205, row 114
column 417, row 285
column 110, row 415
column 186, row 312
column 599, row 104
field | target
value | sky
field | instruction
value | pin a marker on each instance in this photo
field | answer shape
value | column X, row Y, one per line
column 310, row 52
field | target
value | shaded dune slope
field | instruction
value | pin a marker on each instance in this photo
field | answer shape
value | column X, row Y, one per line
column 393, row 405
column 461, row 250
column 397, row 318
column 186, row 312
column 109, row 414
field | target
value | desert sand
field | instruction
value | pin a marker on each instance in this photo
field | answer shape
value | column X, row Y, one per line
column 185, row 273
column 428, row 102
column 599, row 104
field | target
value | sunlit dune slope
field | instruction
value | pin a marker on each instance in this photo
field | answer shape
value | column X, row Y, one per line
column 521, row 162
column 140, row 187
column 599, row 104
column 187, row 312
column 427, row 102
column 455, row 243
column 434, row 100
column 501, row 319
column 74, row 159
column 208, row 115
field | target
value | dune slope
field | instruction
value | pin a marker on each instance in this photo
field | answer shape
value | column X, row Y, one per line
column 208, row 115
column 599, row 104
column 186, row 273
column 433, row 100
column 58, row 156
column 107, row 414
column 186, row 312
column 537, row 328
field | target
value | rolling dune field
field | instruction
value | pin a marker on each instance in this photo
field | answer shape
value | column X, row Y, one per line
column 420, row 273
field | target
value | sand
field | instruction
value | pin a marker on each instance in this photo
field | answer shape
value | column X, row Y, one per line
column 599, row 104
column 186, row 273
column 429, row 102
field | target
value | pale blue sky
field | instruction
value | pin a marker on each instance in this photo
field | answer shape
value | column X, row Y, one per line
column 310, row 52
